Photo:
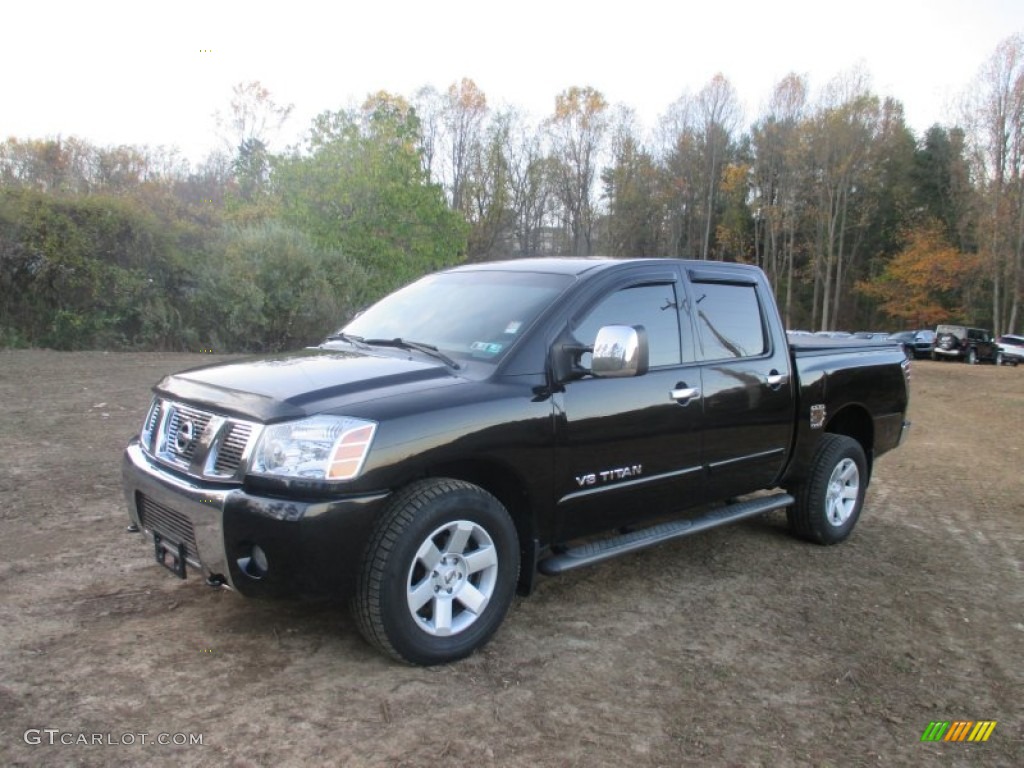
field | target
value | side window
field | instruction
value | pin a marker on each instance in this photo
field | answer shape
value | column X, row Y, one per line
column 652, row 306
column 729, row 321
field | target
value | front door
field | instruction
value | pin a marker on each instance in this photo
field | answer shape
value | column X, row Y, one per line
column 631, row 448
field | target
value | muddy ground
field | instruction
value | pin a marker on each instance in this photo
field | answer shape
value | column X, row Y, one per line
column 742, row 646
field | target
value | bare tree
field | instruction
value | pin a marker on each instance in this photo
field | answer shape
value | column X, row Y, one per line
column 776, row 143
column 463, row 112
column 428, row 105
column 843, row 129
column 630, row 184
column 577, row 131
column 528, row 179
column 697, row 140
column 254, row 116
column 996, row 115
column 681, row 172
column 719, row 114
column 254, row 119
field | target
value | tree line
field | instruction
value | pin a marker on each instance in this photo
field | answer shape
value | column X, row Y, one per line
column 857, row 222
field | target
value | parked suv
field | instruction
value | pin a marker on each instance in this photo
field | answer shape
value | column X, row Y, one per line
column 1011, row 350
column 958, row 342
column 915, row 343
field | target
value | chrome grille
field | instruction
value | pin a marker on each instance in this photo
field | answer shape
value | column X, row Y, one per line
column 180, row 415
column 199, row 442
column 231, row 449
column 152, row 422
column 171, row 525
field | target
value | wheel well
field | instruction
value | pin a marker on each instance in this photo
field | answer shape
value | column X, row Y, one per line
column 502, row 483
column 854, row 421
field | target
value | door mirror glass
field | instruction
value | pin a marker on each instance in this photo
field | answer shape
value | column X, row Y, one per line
column 620, row 351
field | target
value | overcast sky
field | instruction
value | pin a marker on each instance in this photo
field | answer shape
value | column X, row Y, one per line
column 154, row 73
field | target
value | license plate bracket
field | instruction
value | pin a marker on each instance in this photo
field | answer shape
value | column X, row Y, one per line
column 170, row 555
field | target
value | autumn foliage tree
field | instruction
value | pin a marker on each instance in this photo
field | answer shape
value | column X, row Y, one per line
column 923, row 284
column 256, row 248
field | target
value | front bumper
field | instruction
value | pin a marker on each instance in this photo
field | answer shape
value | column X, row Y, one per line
column 310, row 547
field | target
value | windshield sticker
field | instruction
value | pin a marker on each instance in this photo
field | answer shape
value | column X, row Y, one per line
column 486, row 348
column 513, row 327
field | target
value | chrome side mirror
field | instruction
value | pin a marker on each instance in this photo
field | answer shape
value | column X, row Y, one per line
column 620, row 351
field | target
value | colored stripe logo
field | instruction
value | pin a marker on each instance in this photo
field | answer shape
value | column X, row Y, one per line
column 958, row 730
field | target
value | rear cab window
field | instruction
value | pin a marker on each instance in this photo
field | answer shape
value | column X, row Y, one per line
column 729, row 320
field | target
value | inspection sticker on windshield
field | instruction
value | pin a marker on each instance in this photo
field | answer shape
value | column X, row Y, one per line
column 513, row 327
column 487, row 348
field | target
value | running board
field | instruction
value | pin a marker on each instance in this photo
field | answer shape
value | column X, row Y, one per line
column 597, row 551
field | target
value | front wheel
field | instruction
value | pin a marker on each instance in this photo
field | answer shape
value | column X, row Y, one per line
column 999, row 358
column 439, row 573
column 829, row 501
column 972, row 357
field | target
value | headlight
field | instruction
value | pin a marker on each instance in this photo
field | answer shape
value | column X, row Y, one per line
column 317, row 448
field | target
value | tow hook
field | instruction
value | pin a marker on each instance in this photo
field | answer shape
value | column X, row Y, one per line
column 215, row 580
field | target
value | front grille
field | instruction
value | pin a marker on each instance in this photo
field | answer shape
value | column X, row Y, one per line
column 198, row 442
column 232, row 448
column 152, row 422
column 181, row 446
column 171, row 525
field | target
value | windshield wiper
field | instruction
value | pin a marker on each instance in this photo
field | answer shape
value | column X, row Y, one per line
column 342, row 336
column 428, row 349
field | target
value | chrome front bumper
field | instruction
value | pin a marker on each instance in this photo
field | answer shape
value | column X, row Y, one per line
column 201, row 508
column 311, row 547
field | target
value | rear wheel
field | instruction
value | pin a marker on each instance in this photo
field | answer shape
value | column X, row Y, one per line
column 972, row 357
column 829, row 501
column 439, row 573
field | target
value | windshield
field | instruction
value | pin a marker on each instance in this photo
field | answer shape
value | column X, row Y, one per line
column 469, row 315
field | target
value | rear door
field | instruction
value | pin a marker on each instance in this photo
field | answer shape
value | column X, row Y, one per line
column 748, row 387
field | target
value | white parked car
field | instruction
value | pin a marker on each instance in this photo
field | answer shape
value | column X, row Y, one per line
column 1011, row 349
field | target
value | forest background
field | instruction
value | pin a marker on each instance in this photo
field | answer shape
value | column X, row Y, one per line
column 859, row 223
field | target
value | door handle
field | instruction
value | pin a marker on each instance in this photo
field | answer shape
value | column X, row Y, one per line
column 776, row 379
column 683, row 394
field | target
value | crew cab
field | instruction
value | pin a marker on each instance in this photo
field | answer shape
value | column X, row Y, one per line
column 497, row 421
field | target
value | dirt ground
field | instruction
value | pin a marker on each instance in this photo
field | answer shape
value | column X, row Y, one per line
column 742, row 646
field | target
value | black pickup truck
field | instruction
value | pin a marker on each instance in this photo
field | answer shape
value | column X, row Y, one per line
column 493, row 421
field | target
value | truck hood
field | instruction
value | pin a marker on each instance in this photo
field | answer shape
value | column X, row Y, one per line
column 299, row 384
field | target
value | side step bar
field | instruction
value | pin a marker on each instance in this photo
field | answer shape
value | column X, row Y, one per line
column 597, row 551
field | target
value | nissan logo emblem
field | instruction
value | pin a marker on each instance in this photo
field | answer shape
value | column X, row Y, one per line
column 186, row 435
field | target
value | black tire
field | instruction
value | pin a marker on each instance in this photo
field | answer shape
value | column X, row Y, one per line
column 825, row 512
column 450, row 544
column 972, row 357
column 999, row 358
